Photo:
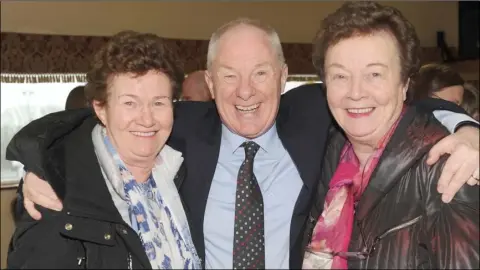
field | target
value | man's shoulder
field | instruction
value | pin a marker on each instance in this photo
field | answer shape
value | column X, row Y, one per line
column 189, row 116
column 32, row 141
column 306, row 95
column 306, row 102
column 49, row 128
column 191, row 110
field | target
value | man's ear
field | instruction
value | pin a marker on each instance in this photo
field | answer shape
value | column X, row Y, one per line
column 284, row 77
column 209, row 81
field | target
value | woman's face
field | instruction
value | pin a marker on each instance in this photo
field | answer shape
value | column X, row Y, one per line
column 138, row 115
column 364, row 88
column 452, row 93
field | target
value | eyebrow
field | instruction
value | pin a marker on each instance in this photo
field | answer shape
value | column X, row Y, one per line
column 336, row 65
column 136, row 97
column 262, row 64
column 377, row 64
column 225, row 67
column 369, row 65
column 256, row 66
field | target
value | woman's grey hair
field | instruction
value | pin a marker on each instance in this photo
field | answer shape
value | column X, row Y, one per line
column 271, row 33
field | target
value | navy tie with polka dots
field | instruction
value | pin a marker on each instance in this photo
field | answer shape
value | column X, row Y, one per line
column 249, row 237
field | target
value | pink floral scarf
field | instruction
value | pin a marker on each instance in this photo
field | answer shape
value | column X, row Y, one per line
column 334, row 227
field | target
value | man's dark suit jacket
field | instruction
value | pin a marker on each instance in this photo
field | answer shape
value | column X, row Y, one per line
column 302, row 124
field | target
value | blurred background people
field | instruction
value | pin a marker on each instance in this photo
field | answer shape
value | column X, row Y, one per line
column 439, row 81
column 76, row 98
column 470, row 100
column 195, row 88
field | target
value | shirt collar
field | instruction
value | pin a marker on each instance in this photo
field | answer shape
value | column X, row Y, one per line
column 267, row 141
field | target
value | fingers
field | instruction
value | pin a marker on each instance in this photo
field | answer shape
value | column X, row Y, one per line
column 476, row 174
column 451, row 166
column 472, row 181
column 40, row 192
column 475, row 179
column 30, row 207
column 457, row 171
column 47, row 202
column 440, row 148
column 458, row 180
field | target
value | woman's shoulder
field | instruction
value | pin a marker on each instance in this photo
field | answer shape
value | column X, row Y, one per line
column 406, row 153
column 189, row 116
column 420, row 132
column 417, row 132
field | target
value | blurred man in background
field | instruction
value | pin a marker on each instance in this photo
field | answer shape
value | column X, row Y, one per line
column 76, row 98
column 195, row 88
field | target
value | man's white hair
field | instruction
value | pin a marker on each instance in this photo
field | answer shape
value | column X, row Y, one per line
column 271, row 33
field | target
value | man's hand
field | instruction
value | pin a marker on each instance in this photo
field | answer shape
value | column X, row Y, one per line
column 38, row 191
column 463, row 164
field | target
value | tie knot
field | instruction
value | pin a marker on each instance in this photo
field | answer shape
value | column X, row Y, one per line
column 251, row 149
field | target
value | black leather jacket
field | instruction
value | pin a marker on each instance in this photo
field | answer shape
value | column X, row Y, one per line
column 400, row 220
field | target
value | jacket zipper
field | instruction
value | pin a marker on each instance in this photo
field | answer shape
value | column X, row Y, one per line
column 80, row 260
column 399, row 227
column 129, row 261
column 394, row 229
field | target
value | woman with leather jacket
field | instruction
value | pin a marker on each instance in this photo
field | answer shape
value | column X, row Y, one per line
column 382, row 209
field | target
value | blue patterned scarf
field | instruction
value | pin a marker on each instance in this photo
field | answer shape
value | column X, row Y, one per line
column 151, row 217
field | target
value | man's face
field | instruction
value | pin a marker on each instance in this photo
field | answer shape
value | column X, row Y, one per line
column 451, row 93
column 246, row 80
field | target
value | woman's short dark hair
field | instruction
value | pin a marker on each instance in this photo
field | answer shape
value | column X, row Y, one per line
column 364, row 18
column 432, row 78
column 131, row 52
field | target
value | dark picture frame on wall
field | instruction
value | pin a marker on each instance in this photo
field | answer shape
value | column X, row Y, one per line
column 468, row 30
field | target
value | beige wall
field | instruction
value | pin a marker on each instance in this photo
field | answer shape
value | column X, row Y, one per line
column 295, row 21
column 7, row 226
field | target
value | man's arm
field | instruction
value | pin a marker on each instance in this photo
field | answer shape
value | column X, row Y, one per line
column 453, row 121
column 447, row 113
column 28, row 147
column 463, row 146
column 38, row 192
column 38, row 244
column 457, row 171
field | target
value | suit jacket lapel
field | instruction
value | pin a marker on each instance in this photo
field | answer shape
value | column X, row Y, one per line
column 306, row 150
column 298, row 144
column 201, row 158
